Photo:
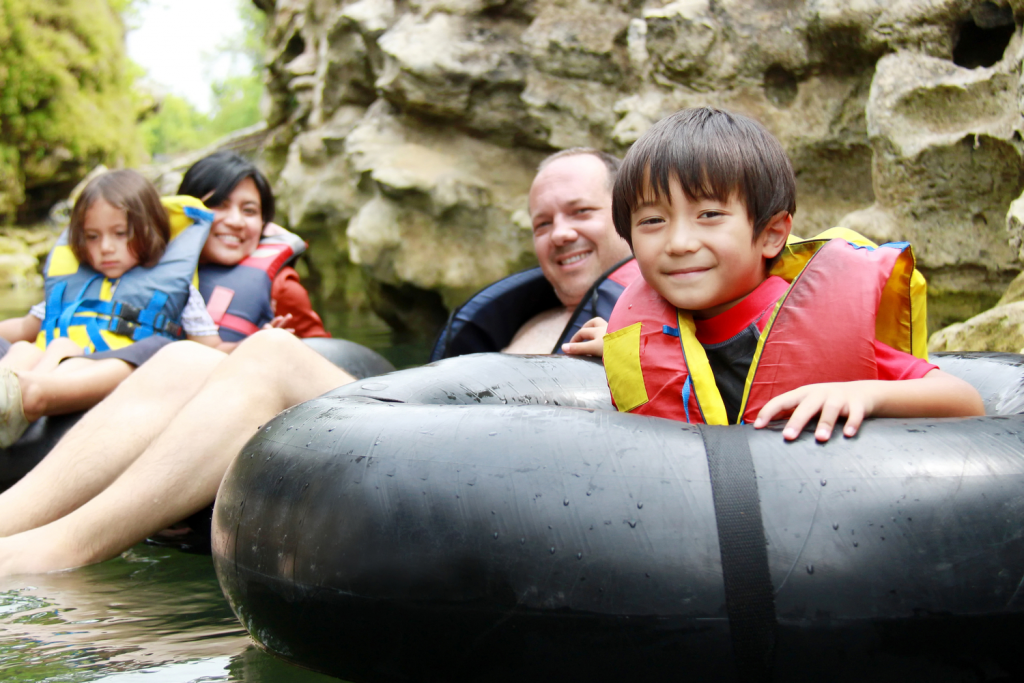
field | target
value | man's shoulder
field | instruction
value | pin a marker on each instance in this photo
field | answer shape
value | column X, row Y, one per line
column 540, row 333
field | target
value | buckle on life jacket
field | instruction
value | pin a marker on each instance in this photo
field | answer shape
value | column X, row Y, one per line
column 124, row 320
column 123, row 327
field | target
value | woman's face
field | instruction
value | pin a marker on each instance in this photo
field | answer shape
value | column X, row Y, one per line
column 237, row 225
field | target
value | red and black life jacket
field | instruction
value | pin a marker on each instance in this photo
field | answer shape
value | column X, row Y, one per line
column 238, row 297
column 844, row 294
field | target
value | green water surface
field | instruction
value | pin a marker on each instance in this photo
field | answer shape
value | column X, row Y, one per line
column 153, row 615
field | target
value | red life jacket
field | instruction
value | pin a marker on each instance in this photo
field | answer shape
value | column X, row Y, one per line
column 841, row 298
column 238, row 297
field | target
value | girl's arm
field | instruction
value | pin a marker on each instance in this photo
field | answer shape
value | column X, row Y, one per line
column 937, row 394
column 212, row 340
column 25, row 328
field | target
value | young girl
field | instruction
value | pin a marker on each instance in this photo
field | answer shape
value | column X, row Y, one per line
column 121, row 273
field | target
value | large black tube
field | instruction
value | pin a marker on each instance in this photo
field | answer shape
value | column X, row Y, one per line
column 458, row 522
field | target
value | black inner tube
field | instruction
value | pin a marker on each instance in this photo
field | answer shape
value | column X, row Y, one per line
column 458, row 522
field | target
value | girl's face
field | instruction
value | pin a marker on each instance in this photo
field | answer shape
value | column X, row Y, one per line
column 106, row 239
column 237, row 225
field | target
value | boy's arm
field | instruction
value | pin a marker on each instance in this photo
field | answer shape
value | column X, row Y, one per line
column 25, row 328
column 588, row 340
column 937, row 394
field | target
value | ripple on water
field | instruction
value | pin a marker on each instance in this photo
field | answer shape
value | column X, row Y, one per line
column 153, row 615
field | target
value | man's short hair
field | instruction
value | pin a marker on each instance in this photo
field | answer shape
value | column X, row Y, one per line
column 712, row 153
column 611, row 163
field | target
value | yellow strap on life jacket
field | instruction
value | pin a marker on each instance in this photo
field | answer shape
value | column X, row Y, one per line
column 625, row 376
column 702, row 378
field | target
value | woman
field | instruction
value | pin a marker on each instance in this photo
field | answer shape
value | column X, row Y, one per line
column 270, row 295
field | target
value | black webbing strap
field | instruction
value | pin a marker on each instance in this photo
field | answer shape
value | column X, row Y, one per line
column 749, row 595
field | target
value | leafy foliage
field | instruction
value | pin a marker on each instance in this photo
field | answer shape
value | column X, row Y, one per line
column 66, row 98
column 179, row 127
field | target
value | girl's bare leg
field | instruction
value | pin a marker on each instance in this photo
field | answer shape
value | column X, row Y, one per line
column 108, row 439
column 21, row 356
column 55, row 352
column 76, row 384
column 180, row 470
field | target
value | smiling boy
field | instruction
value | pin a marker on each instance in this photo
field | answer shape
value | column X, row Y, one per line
column 705, row 198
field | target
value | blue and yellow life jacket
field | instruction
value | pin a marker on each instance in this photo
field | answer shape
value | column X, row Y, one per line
column 845, row 292
column 238, row 297
column 100, row 314
column 489, row 320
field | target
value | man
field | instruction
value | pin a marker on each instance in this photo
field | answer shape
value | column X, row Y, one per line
column 156, row 450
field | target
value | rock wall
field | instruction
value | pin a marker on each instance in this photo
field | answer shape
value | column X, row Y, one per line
column 404, row 135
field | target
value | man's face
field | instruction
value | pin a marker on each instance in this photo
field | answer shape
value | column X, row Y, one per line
column 573, row 233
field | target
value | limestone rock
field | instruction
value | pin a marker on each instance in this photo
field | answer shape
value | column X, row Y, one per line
column 998, row 329
column 439, row 214
column 1014, row 293
column 947, row 164
column 405, row 134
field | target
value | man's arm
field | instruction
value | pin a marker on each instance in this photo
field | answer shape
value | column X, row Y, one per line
column 588, row 340
column 937, row 394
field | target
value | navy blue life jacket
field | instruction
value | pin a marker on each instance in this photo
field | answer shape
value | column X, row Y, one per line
column 238, row 297
column 489, row 320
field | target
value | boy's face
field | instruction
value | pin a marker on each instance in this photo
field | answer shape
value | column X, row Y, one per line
column 699, row 254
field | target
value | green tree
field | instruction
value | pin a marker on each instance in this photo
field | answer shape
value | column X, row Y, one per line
column 178, row 127
column 66, row 98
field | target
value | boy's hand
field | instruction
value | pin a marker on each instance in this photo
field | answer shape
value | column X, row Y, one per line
column 852, row 400
column 934, row 395
column 589, row 340
column 280, row 321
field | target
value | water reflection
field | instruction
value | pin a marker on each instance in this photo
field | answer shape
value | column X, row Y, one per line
column 153, row 614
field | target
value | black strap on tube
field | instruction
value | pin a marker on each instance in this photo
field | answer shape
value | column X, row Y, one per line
column 749, row 595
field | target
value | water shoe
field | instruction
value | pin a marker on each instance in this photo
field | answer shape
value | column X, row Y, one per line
column 12, row 415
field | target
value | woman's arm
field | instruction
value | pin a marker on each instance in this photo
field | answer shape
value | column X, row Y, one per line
column 291, row 299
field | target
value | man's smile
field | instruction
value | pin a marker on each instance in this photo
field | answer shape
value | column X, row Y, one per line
column 574, row 258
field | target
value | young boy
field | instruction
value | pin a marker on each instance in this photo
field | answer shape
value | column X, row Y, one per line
column 705, row 198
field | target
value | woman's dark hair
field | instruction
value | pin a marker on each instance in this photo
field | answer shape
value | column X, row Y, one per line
column 219, row 174
column 149, row 229
column 712, row 153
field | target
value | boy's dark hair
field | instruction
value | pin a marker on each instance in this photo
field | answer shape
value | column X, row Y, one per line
column 611, row 163
column 712, row 153
column 149, row 229
column 220, row 173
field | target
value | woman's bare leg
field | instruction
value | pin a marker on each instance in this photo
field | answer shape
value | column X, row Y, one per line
column 109, row 438
column 182, row 467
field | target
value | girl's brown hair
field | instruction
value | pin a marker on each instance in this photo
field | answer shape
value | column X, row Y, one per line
column 149, row 229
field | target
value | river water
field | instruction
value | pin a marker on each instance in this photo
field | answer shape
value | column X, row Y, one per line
column 153, row 615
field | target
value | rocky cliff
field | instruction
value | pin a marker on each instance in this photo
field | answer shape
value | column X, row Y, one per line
column 404, row 134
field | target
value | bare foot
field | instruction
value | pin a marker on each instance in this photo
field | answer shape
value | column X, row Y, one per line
column 31, row 552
